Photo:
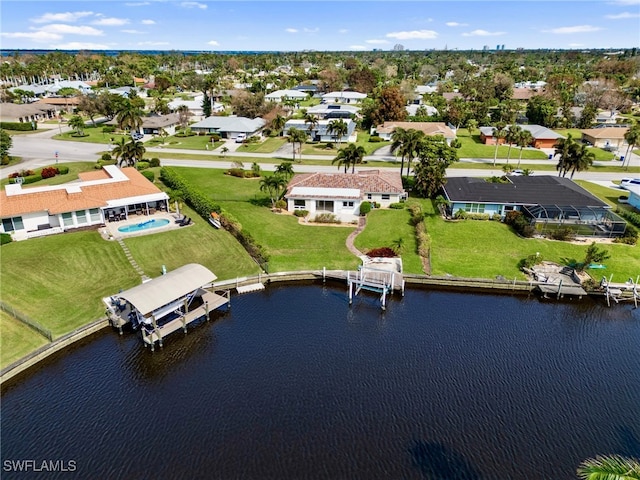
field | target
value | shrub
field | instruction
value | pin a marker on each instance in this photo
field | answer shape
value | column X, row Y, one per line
column 215, row 137
column 154, row 162
column 49, row 172
column 397, row 206
column 562, row 233
column 631, row 217
column 519, row 223
column 375, row 139
column 630, row 236
column 108, row 129
column 365, row 207
column 326, row 218
column 375, row 204
column 32, row 179
column 21, row 173
column 530, row 261
column 301, row 213
column 18, row 126
column 235, row 172
column 385, row 252
column 281, row 204
column 62, row 170
column 478, row 216
column 149, row 175
column 106, row 157
column 5, row 238
column 98, row 165
column 142, row 165
column 460, row 214
column 329, row 146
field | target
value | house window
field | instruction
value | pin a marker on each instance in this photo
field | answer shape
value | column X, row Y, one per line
column 299, row 204
column 67, row 219
column 324, row 206
column 386, row 196
column 81, row 216
column 474, row 207
column 95, row 215
column 369, row 196
column 347, row 204
column 12, row 224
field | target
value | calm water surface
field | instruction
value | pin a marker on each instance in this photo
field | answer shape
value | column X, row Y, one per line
column 292, row 383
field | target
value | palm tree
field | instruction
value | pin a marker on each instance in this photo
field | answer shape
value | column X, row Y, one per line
column 129, row 118
column 312, row 122
column 295, row 135
column 581, row 158
column 633, row 138
column 133, row 152
column 563, row 148
column 350, row 155
column 398, row 139
column 273, row 185
column 412, row 146
column 119, row 148
column 338, row 128
column 511, row 137
column 77, row 124
column 285, row 169
column 610, row 467
column 524, row 140
column 499, row 132
column 278, row 123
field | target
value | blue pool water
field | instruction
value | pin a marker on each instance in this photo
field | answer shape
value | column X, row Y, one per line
column 149, row 224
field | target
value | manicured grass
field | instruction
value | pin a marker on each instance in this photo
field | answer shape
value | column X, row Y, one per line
column 291, row 246
column 74, row 169
column 606, row 194
column 386, row 226
column 91, row 135
column 199, row 243
column 59, row 280
column 269, row 145
column 194, row 142
column 363, row 141
column 472, row 147
column 17, row 339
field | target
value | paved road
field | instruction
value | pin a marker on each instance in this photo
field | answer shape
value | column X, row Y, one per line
column 38, row 150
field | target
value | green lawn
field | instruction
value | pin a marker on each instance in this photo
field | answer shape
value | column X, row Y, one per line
column 363, row 141
column 386, row 226
column 269, row 145
column 17, row 340
column 193, row 142
column 291, row 246
column 472, row 147
column 74, row 169
column 59, row 280
column 91, row 135
column 606, row 194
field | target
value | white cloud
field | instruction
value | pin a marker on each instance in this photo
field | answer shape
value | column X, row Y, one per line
column 376, row 41
column 213, row 43
column 456, row 24
column 291, row 30
column 482, row 33
column 71, row 30
column 623, row 15
column 199, row 5
column 343, row 30
column 151, row 43
column 38, row 36
column 80, row 46
column 311, row 30
column 61, row 17
column 134, row 32
column 357, row 47
column 111, row 22
column 413, row 34
column 574, row 29
column 148, row 22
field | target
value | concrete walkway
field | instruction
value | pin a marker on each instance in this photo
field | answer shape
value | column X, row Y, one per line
column 362, row 222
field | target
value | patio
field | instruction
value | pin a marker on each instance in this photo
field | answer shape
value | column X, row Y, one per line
column 111, row 229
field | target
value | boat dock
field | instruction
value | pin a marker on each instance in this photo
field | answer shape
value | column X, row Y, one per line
column 619, row 292
column 379, row 275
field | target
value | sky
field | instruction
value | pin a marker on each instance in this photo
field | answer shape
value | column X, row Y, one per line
column 311, row 25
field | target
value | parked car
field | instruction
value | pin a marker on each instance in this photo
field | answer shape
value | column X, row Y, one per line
column 628, row 182
column 241, row 138
column 137, row 136
column 517, row 172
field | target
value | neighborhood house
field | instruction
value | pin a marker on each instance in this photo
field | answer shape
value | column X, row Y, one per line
column 229, row 127
column 385, row 131
column 341, row 194
column 322, row 131
column 543, row 137
column 99, row 196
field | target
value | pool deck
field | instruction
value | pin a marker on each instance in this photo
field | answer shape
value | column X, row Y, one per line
column 110, row 230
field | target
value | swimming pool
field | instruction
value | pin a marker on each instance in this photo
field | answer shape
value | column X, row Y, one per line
column 149, row 224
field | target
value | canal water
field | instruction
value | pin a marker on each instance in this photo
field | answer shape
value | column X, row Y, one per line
column 292, row 383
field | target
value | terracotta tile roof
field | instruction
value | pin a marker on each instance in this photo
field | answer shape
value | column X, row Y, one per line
column 369, row 181
column 93, row 175
column 613, row 132
column 76, row 196
column 429, row 128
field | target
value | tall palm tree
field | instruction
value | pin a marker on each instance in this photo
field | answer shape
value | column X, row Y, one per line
column 563, row 149
column 524, row 140
column 338, row 128
column 119, row 148
column 351, row 155
column 285, row 169
column 274, row 185
column 398, row 139
column 511, row 137
column 633, row 138
column 278, row 123
column 312, row 122
column 499, row 132
column 129, row 118
column 610, row 467
column 133, row 152
column 581, row 158
column 295, row 135
column 412, row 146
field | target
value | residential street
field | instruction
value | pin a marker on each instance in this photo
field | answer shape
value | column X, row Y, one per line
column 39, row 150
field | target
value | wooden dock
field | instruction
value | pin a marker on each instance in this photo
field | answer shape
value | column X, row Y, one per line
column 253, row 287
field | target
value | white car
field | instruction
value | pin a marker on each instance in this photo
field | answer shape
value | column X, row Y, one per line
column 241, row 138
column 628, row 182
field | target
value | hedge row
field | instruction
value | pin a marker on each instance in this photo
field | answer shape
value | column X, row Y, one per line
column 422, row 237
column 18, row 126
column 631, row 217
column 204, row 206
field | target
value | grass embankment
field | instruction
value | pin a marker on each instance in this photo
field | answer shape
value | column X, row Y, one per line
column 17, row 339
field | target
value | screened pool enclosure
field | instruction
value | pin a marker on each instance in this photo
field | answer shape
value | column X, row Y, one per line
column 584, row 221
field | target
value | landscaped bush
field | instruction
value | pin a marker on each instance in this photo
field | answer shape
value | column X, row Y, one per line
column 530, row 261
column 142, row 165
column 18, row 126
column 631, row 217
column 49, row 172
column 5, row 238
column 326, row 218
column 154, row 162
column 32, row 179
column 365, row 207
column 375, row 204
column 301, row 213
column 385, row 252
column 215, row 137
column 479, row 216
column 397, row 206
column 519, row 223
column 21, row 173
column 62, row 170
column 281, row 204
column 460, row 214
column 236, row 172
column 106, row 157
column 149, row 175
column 563, row 234
column 375, row 139
column 630, row 236
column 108, row 129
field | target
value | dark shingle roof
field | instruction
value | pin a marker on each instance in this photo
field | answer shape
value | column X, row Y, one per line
column 525, row 190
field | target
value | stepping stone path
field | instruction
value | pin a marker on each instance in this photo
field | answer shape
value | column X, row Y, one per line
column 132, row 261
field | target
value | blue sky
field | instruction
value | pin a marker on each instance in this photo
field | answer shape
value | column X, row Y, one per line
column 311, row 25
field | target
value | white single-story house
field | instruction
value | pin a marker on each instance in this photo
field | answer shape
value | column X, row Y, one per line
column 282, row 95
column 153, row 124
column 195, row 106
column 99, row 196
column 342, row 193
column 321, row 131
column 607, row 137
column 333, row 110
column 229, row 127
column 343, row 97
column 412, row 109
column 386, row 130
column 26, row 112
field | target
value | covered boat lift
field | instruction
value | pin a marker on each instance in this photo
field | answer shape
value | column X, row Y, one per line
column 166, row 303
